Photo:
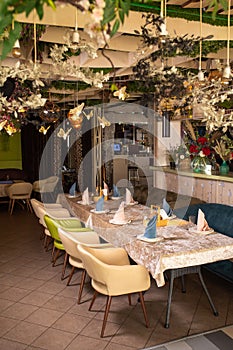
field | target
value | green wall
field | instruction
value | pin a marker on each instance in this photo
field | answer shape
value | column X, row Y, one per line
column 10, row 151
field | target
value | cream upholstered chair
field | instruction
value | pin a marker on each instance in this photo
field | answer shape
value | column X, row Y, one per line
column 70, row 241
column 112, row 275
column 36, row 203
column 18, row 192
column 45, row 186
column 56, row 213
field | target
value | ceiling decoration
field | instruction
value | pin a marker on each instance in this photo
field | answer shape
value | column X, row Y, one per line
column 76, row 47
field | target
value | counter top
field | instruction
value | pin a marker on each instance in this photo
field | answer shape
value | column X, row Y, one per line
column 190, row 173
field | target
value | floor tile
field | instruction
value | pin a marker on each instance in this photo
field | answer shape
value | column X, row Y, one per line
column 36, row 298
column 54, row 339
column 71, row 323
column 44, row 317
column 11, row 345
column 19, row 311
column 84, row 343
column 25, row 332
column 7, row 324
column 14, row 294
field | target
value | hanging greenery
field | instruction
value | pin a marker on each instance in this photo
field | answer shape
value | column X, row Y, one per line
column 190, row 14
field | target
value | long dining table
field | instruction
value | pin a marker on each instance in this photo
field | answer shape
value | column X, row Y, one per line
column 177, row 249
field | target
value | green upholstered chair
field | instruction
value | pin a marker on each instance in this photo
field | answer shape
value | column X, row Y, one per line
column 71, row 224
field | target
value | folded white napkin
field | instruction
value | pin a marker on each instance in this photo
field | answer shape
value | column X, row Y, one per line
column 202, row 224
column 105, row 189
column 85, row 197
column 120, row 214
column 89, row 222
column 128, row 197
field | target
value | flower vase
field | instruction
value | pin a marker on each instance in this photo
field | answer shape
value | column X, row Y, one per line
column 199, row 163
column 224, row 168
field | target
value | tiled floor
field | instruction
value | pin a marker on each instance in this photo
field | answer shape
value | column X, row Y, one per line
column 38, row 310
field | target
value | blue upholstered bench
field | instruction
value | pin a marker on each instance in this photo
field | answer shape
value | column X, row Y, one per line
column 220, row 218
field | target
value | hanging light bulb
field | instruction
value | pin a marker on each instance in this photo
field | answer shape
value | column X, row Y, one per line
column 227, row 70
column 75, row 36
column 200, row 75
column 163, row 28
column 16, row 52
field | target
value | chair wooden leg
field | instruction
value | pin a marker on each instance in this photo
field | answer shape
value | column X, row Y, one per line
column 64, row 266
column 106, row 312
column 144, row 308
column 93, row 300
column 53, row 252
column 29, row 206
column 129, row 298
column 11, row 206
column 55, row 257
column 84, row 273
column 70, row 275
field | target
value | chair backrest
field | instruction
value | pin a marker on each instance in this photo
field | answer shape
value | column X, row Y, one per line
column 46, row 185
column 99, row 262
column 50, row 184
column 71, row 239
column 20, row 190
column 73, row 224
column 48, row 206
column 52, row 227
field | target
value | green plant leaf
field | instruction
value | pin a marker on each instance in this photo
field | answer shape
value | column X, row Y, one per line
column 9, row 43
column 115, row 27
column 121, row 16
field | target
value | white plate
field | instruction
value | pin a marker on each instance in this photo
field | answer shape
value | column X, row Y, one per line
column 145, row 239
column 116, row 198
column 132, row 203
column 194, row 230
column 81, row 202
column 99, row 211
column 112, row 221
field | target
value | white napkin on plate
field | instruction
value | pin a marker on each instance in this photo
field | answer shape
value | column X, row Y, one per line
column 128, row 197
column 105, row 189
column 120, row 214
column 85, row 197
column 202, row 224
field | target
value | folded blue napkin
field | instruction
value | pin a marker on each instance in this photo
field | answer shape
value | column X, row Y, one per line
column 167, row 208
column 150, row 231
column 100, row 204
column 116, row 192
column 72, row 189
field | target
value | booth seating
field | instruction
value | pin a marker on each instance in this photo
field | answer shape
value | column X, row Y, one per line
column 220, row 218
column 13, row 174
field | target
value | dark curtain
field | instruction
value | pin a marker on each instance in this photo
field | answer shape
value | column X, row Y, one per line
column 32, row 143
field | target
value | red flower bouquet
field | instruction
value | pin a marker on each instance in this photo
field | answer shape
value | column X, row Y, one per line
column 200, row 147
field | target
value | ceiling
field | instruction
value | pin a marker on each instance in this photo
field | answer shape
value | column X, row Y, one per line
column 124, row 47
